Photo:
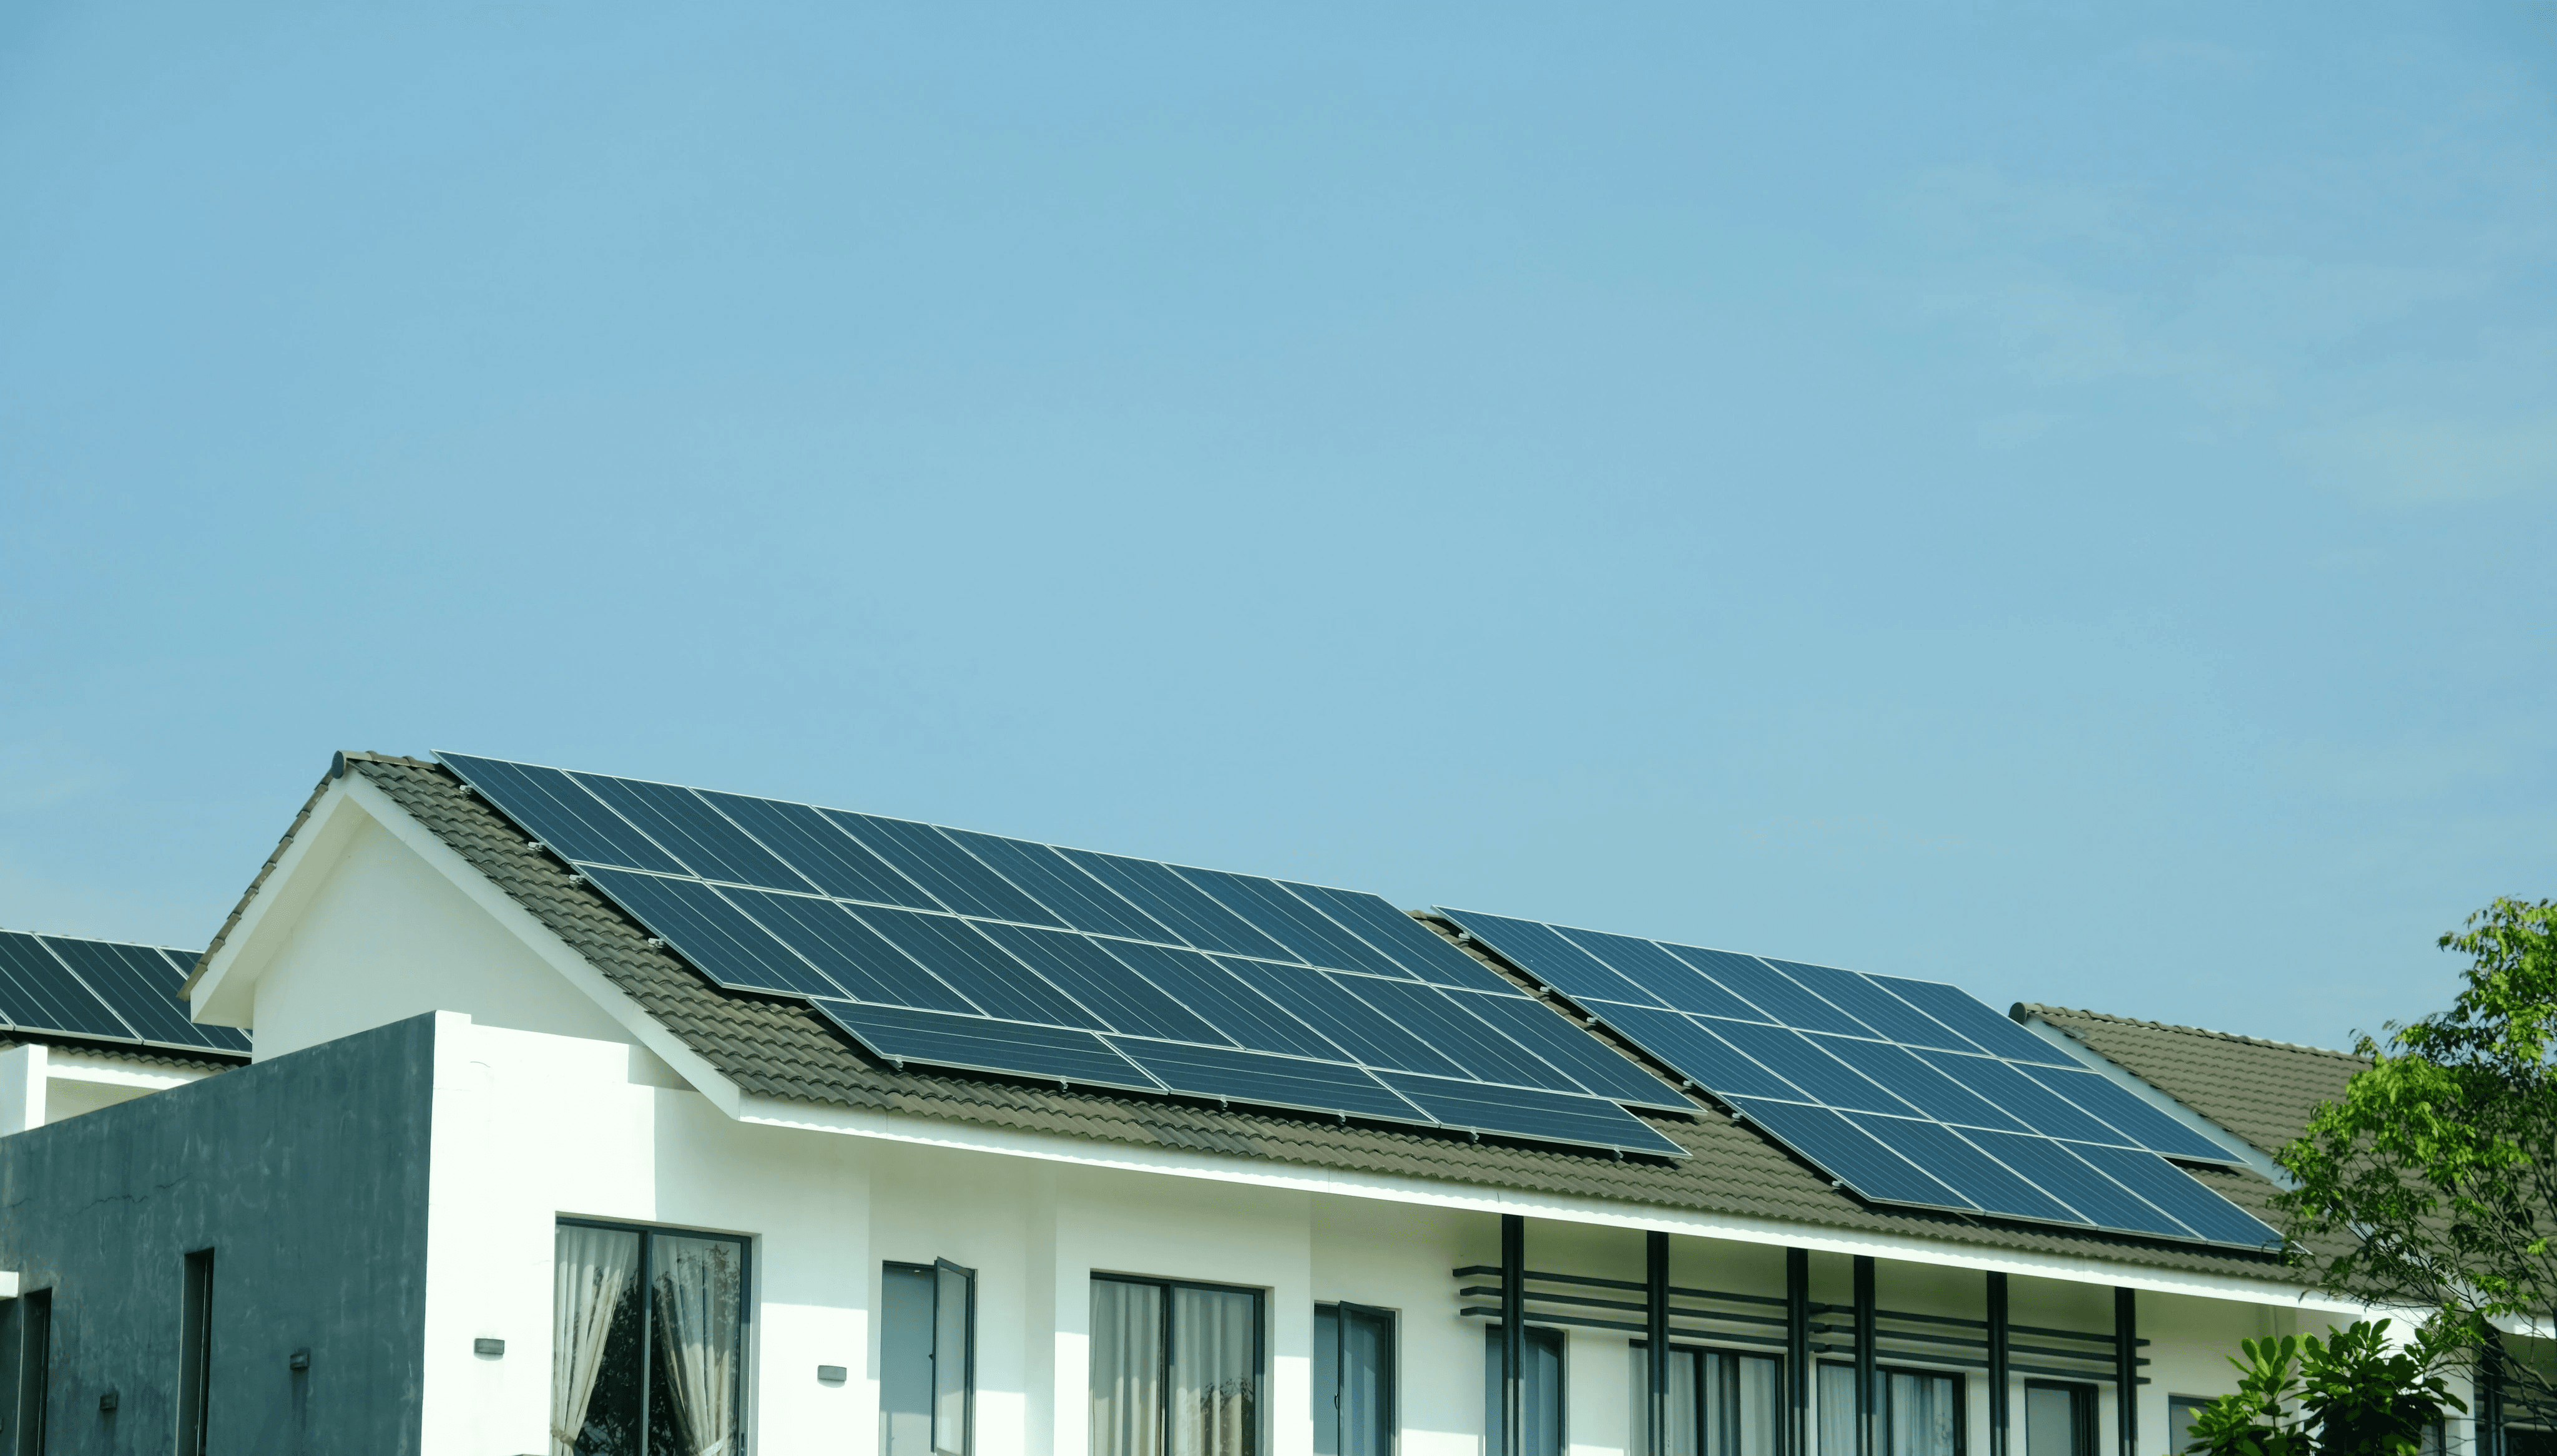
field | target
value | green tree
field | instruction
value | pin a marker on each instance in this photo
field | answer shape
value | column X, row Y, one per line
column 2349, row 1395
column 2431, row 1184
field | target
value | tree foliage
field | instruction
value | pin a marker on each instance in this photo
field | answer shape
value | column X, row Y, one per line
column 2347, row 1395
column 2431, row 1184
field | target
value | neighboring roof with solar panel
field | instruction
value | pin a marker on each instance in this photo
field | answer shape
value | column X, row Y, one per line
column 59, row 989
column 1909, row 1092
column 781, row 1049
column 2262, row 1091
column 956, row 949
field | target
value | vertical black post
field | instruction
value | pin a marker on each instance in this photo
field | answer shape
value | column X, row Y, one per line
column 1864, row 1359
column 2126, row 1366
column 1797, row 1352
column 2000, row 1375
column 1513, row 1335
column 1656, row 1335
column 2488, row 1414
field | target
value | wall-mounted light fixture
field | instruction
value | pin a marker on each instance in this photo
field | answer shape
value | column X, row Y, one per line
column 487, row 1347
column 107, row 1403
column 298, row 1360
column 833, row 1375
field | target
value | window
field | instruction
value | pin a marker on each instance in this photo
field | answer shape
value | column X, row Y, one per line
column 1175, row 1369
column 1917, row 1412
column 663, row 1376
column 26, row 1357
column 2059, row 1420
column 1721, row 1403
column 927, row 1359
column 1541, row 1398
column 195, row 1352
column 2179, row 1412
column 1353, row 1381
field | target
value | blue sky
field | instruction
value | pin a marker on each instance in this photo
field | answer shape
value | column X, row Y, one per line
column 2051, row 498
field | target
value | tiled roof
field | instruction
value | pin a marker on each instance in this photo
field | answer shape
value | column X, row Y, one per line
column 207, row 1062
column 780, row 1048
column 2262, row 1091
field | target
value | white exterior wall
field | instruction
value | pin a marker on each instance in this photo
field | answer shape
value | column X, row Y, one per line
column 42, row 1084
column 554, row 1095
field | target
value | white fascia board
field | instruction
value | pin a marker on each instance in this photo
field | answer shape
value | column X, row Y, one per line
column 67, row 1065
column 647, row 1030
column 2121, row 1076
column 1052, row 1148
column 227, row 993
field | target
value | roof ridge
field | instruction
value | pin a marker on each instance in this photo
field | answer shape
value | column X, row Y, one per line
column 2039, row 1009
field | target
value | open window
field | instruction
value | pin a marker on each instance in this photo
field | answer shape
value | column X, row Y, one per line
column 1177, row 1368
column 647, row 1342
column 2060, row 1419
column 1353, row 1381
column 927, row 1359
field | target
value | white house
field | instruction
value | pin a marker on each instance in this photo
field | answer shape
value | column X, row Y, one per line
column 510, row 1174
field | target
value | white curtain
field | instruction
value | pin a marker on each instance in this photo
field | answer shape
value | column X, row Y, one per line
column 1126, row 1369
column 701, row 1336
column 1838, row 1410
column 590, row 1275
column 1922, row 1416
column 1215, row 1373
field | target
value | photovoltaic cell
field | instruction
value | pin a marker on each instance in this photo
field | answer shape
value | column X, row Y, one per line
column 1439, row 1017
column 2138, row 1122
column 1847, row 1152
column 848, row 952
column 1845, row 1067
column 1345, row 1021
column 927, row 857
column 1668, row 978
column 1966, row 1169
column 964, row 949
column 38, row 992
column 1304, row 930
column 711, row 933
column 1191, row 912
column 698, row 835
column 1416, row 948
column 898, row 1035
column 1887, row 1014
column 135, row 982
column 1518, row 1110
column 959, row 954
column 828, row 857
column 557, row 811
column 1698, row 1054
column 1555, row 961
column 1582, row 1057
column 1244, row 1076
column 1087, row 973
column 1076, row 897
column 1245, row 1015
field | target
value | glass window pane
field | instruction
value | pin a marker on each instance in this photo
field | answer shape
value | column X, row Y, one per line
column 699, row 1310
column 2055, row 1424
column 905, row 1360
column 1330, row 1381
column 1541, row 1395
column 595, row 1355
column 1215, row 1375
column 1837, row 1411
column 1367, row 1383
column 1127, row 1357
column 1759, row 1416
column 1921, row 1414
column 954, row 1315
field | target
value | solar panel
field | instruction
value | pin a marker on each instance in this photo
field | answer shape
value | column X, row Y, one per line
column 955, row 949
column 100, row 990
column 1907, row 1091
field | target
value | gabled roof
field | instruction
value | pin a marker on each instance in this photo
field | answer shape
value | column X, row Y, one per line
column 782, row 1049
column 2262, row 1091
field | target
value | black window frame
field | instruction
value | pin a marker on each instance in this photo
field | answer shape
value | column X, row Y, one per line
column 645, row 1285
column 1393, row 1378
column 2086, row 1415
column 1260, row 1442
column 1638, row 1430
column 1882, row 1375
column 196, row 1353
column 1493, row 1405
column 30, row 1383
column 968, row 1357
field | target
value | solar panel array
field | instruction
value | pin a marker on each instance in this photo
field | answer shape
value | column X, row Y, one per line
column 103, row 991
column 1908, row 1091
column 948, row 948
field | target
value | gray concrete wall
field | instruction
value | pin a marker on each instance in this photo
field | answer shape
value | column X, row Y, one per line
column 307, row 1175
